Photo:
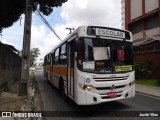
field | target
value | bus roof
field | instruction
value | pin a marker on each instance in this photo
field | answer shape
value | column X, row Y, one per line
column 83, row 28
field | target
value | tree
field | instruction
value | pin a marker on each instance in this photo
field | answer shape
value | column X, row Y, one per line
column 11, row 10
column 34, row 53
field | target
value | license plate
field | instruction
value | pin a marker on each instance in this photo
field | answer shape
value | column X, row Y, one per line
column 112, row 94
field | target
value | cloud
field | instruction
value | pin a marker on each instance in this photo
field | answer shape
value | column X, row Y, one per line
column 73, row 13
column 92, row 12
column 37, row 35
column 7, row 42
column 48, row 41
column 14, row 34
column 82, row 12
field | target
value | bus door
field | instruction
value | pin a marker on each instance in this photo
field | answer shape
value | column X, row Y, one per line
column 70, row 69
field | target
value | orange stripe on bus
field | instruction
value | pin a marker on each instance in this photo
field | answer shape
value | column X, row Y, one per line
column 59, row 70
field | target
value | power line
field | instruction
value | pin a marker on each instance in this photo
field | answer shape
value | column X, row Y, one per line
column 46, row 23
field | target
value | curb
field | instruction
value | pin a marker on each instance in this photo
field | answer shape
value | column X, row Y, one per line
column 148, row 86
column 148, row 94
column 151, row 87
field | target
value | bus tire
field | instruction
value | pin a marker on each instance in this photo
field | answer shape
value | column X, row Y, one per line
column 62, row 89
column 49, row 82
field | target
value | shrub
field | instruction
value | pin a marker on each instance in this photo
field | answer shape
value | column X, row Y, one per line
column 143, row 69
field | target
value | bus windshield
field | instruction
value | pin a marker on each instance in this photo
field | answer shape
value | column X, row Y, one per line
column 104, row 56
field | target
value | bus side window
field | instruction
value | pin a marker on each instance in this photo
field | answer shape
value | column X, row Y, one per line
column 72, row 54
column 80, row 54
column 53, row 56
column 63, row 54
column 80, row 58
column 57, row 56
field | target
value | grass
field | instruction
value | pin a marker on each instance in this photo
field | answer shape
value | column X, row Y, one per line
column 149, row 82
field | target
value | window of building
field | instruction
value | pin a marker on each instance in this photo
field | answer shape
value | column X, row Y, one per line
column 151, row 22
column 153, row 46
column 157, row 46
column 136, row 27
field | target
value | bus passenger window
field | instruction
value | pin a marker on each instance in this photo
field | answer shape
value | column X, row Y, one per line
column 80, row 59
column 57, row 56
column 63, row 54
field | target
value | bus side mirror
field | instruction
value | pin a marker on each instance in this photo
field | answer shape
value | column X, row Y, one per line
column 76, row 45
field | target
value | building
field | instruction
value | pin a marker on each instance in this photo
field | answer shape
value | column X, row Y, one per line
column 123, row 13
column 142, row 18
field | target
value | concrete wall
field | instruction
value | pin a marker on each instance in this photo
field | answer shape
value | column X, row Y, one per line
column 152, row 32
column 10, row 65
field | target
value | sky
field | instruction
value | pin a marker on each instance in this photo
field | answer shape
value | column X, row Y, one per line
column 73, row 13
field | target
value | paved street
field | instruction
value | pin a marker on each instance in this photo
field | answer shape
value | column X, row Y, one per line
column 54, row 102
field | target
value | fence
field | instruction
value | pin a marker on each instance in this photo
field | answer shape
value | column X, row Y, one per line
column 10, row 64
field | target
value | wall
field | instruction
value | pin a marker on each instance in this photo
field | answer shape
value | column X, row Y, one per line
column 151, row 5
column 10, row 65
column 154, row 57
column 136, row 9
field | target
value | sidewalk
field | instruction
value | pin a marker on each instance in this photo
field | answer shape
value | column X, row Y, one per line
column 148, row 90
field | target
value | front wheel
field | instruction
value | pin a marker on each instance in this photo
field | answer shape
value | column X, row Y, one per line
column 63, row 92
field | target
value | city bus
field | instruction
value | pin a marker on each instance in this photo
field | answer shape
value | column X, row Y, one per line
column 93, row 65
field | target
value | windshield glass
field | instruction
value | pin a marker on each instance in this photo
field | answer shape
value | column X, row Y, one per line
column 104, row 56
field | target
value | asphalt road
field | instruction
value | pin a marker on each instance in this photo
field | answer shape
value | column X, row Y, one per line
column 117, row 110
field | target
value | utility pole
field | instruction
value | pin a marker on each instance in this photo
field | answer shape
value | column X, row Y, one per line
column 26, row 50
column 70, row 29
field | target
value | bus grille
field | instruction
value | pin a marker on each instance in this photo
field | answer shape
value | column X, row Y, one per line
column 104, row 85
column 104, row 79
column 108, row 88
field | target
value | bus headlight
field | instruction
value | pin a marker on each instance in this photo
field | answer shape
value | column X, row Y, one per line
column 132, row 83
column 85, row 87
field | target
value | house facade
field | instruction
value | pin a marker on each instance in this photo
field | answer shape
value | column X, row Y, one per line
column 142, row 18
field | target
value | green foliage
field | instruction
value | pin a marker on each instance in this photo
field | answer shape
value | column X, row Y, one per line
column 142, row 69
column 11, row 10
column 33, row 108
column 34, row 83
column 149, row 82
column 33, row 79
column 34, row 53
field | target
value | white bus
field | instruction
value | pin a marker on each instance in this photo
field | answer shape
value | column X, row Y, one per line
column 94, row 64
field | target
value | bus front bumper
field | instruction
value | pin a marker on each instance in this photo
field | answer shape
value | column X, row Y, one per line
column 89, row 98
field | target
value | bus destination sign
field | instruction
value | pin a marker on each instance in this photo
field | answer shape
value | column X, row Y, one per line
column 110, row 33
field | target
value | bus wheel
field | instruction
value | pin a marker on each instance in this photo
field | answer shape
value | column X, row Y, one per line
column 63, row 91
